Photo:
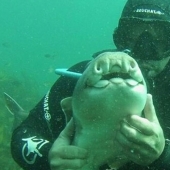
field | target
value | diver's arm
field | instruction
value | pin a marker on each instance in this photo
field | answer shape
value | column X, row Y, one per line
column 63, row 155
column 35, row 153
column 142, row 139
column 154, row 143
column 32, row 140
column 163, row 162
column 29, row 145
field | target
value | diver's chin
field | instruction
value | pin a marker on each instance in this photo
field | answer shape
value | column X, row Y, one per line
column 152, row 73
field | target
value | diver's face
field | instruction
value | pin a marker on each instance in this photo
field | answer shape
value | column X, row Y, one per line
column 149, row 48
column 149, row 43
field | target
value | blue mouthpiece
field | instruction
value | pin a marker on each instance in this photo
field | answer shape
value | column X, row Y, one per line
column 65, row 72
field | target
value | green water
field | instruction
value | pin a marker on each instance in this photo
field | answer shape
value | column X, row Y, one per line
column 37, row 36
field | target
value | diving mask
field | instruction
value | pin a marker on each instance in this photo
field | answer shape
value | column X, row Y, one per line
column 146, row 40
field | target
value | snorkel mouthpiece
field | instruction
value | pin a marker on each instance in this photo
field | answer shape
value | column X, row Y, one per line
column 65, row 72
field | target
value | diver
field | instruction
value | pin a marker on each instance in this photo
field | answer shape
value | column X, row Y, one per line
column 42, row 141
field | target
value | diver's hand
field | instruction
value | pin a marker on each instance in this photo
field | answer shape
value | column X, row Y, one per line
column 62, row 155
column 142, row 139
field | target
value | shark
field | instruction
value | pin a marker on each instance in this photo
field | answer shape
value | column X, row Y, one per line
column 111, row 87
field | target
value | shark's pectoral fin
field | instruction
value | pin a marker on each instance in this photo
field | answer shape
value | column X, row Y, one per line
column 13, row 107
column 66, row 105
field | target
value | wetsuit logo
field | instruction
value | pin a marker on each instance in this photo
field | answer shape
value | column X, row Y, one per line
column 149, row 11
column 46, row 108
column 31, row 149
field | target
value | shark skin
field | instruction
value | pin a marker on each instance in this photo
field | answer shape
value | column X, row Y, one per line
column 15, row 109
column 110, row 88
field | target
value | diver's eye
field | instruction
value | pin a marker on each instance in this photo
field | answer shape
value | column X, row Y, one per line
column 114, row 75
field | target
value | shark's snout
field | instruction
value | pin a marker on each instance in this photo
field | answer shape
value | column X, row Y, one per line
column 114, row 69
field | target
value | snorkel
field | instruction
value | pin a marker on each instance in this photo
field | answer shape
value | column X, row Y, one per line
column 67, row 73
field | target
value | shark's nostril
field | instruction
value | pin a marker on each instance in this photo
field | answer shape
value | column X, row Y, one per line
column 98, row 68
column 132, row 64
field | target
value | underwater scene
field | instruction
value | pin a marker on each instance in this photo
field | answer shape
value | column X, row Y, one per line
column 38, row 36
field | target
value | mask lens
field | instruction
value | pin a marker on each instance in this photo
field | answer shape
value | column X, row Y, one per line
column 145, row 47
column 146, row 40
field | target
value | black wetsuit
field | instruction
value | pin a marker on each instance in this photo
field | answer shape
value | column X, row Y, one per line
column 32, row 140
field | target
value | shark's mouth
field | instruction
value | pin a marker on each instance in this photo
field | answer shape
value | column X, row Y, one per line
column 115, row 75
column 117, row 78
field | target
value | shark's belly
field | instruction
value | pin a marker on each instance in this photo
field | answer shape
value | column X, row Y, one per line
column 97, row 120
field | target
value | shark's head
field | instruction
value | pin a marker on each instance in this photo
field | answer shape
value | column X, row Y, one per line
column 113, row 80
